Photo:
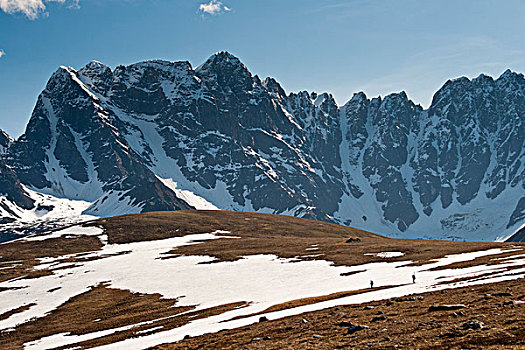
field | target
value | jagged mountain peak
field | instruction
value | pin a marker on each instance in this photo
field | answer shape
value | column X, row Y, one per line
column 359, row 96
column 94, row 66
column 458, row 80
column 96, row 75
column 224, row 58
column 150, row 75
column 5, row 139
column 396, row 103
column 483, row 79
column 66, row 81
column 510, row 81
column 313, row 97
column 62, row 74
column 274, row 87
column 397, row 97
column 74, row 147
column 225, row 69
column 449, row 91
column 454, row 84
column 5, row 142
column 321, row 97
column 355, row 107
column 143, row 136
column 483, row 83
column 509, row 74
column 161, row 65
column 94, row 69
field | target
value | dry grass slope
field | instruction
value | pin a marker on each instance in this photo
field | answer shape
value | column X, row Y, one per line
column 392, row 324
column 406, row 324
column 285, row 236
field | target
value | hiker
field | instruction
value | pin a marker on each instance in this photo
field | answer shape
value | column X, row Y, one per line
column 371, row 284
column 414, row 278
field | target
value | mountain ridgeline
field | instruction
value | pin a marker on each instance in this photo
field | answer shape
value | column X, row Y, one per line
column 161, row 135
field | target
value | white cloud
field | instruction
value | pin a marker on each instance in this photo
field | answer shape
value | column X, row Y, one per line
column 30, row 8
column 213, row 8
column 2, row 53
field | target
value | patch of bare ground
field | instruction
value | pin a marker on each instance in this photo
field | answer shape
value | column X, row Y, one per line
column 509, row 271
column 103, row 308
column 312, row 300
column 488, row 260
column 161, row 225
column 404, row 323
column 19, row 257
column 10, row 313
column 284, row 236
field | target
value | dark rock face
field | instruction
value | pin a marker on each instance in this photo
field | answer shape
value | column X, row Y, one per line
column 518, row 236
column 242, row 143
column 453, row 161
column 71, row 148
column 5, row 141
column 219, row 126
column 392, row 121
column 12, row 189
column 433, row 308
column 10, row 186
column 472, row 325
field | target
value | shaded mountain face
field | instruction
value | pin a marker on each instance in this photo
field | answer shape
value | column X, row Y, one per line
column 11, row 190
column 161, row 135
column 72, row 149
column 5, row 141
column 518, row 236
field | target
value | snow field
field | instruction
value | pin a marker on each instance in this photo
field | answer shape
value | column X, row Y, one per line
column 262, row 280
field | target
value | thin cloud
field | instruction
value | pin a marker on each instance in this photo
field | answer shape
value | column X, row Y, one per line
column 213, row 8
column 31, row 8
column 425, row 72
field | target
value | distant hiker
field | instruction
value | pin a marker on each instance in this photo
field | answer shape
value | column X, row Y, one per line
column 414, row 278
column 371, row 284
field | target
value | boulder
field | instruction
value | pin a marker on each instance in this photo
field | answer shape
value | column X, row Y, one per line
column 446, row 307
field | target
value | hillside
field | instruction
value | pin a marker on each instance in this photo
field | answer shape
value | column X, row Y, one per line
column 143, row 280
column 394, row 323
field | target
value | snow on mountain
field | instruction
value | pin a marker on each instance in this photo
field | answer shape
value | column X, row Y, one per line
column 518, row 236
column 72, row 149
column 47, row 212
column 161, row 135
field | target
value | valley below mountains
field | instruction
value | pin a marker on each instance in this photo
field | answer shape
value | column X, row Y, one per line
column 163, row 136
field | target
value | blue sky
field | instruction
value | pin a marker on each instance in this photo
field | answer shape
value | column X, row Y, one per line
column 378, row 46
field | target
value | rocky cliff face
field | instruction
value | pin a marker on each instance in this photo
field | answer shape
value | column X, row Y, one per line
column 72, row 149
column 454, row 167
column 5, row 141
column 160, row 135
column 11, row 190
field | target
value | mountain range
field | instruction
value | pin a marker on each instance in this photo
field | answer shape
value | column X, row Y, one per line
column 159, row 135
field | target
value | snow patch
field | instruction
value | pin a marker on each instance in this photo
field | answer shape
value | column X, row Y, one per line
column 386, row 255
column 189, row 197
column 262, row 280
